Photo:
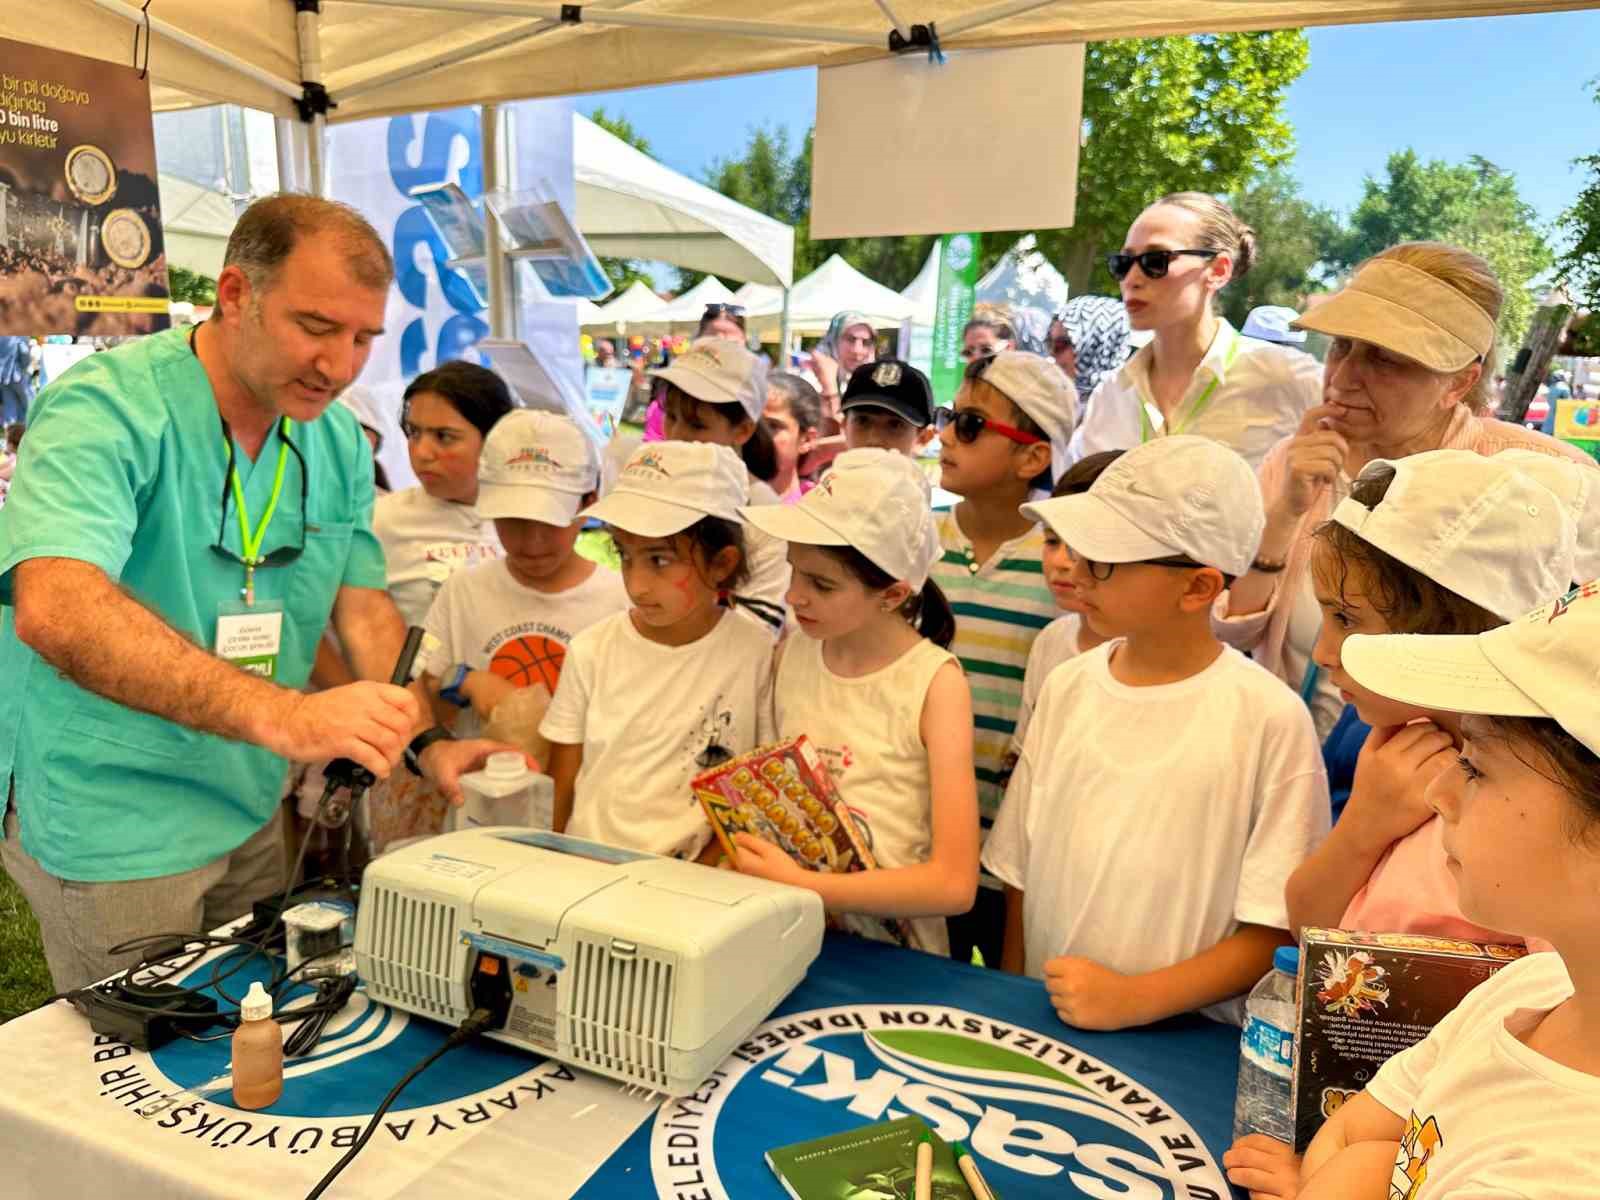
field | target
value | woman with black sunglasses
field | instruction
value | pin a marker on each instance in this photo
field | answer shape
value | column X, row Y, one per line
column 1197, row 375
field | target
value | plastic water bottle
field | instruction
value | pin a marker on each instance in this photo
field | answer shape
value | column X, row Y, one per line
column 1265, row 1102
column 505, row 792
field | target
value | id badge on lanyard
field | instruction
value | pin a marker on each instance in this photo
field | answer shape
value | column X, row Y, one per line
column 250, row 636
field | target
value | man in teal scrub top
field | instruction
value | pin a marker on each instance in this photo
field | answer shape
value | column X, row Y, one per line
column 188, row 512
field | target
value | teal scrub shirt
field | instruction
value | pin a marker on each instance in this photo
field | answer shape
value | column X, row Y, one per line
column 124, row 467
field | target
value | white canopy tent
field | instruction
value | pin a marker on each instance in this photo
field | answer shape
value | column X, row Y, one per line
column 682, row 314
column 753, row 295
column 832, row 288
column 195, row 224
column 377, row 57
column 923, row 291
column 631, row 206
column 616, row 315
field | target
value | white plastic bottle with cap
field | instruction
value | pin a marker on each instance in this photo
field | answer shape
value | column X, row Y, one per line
column 257, row 1052
column 505, row 792
column 1264, row 1102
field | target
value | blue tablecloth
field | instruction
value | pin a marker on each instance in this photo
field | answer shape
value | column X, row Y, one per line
column 874, row 1032
column 1049, row 1110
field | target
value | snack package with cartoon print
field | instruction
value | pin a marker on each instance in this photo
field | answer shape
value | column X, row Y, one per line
column 784, row 794
column 1364, row 997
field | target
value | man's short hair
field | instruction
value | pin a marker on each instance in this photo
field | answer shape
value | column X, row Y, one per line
column 269, row 230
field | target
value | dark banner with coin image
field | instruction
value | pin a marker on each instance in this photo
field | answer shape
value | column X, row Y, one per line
column 80, row 218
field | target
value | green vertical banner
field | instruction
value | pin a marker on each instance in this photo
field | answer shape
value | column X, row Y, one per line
column 958, row 277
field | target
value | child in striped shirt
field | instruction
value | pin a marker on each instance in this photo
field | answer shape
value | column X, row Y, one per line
column 1011, row 421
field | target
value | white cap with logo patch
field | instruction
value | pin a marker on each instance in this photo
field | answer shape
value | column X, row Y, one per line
column 1175, row 496
column 1477, row 525
column 668, row 486
column 720, row 371
column 1544, row 664
column 537, row 466
column 1036, row 385
column 875, row 500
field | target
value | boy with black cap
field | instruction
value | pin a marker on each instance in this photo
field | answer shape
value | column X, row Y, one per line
column 1168, row 785
column 887, row 404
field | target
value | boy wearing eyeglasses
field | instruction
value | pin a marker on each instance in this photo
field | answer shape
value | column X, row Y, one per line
column 1168, row 785
column 1005, row 437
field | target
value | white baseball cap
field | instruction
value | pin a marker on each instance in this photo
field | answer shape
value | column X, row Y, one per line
column 1544, row 664
column 1473, row 524
column 1036, row 385
column 719, row 371
column 877, row 501
column 668, row 486
column 1270, row 323
column 538, row 466
column 1177, row 496
column 1578, row 488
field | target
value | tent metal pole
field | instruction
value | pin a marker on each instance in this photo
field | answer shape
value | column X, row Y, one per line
column 900, row 26
column 483, row 45
column 308, row 33
column 489, row 129
column 592, row 15
column 293, row 148
column 204, row 49
column 783, row 334
column 987, row 16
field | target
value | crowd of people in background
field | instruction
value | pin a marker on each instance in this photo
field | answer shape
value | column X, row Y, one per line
column 1160, row 677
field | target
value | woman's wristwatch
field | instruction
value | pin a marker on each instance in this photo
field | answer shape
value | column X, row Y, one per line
column 413, row 752
column 450, row 689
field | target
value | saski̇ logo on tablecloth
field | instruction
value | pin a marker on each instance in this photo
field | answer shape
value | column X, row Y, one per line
column 1029, row 1106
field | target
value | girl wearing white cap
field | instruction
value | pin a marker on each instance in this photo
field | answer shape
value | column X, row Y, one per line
column 650, row 697
column 874, row 687
column 1502, row 1099
column 1408, row 370
column 1197, row 375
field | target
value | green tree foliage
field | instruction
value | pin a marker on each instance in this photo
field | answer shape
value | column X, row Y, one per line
column 623, row 271
column 1472, row 204
column 1293, row 238
column 1168, row 115
column 184, row 284
column 1580, row 263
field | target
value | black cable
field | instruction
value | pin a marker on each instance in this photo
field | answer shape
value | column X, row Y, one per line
column 475, row 1024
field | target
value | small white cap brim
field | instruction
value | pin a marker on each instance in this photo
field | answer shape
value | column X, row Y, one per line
column 792, row 523
column 1448, row 673
column 1095, row 530
column 647, row 516
column 527, row 502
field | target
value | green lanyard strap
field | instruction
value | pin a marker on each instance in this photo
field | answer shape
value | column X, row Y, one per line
column 1147, row 428
column 250, row 543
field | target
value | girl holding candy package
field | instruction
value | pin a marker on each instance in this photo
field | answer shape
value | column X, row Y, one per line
column 870, row 681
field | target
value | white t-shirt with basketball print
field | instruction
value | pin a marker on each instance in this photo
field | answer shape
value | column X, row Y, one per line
column 483, row 617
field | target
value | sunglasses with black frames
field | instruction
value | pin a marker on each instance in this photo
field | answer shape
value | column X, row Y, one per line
column 1154, row 263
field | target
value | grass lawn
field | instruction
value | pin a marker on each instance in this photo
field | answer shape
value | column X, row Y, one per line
column 24, row 981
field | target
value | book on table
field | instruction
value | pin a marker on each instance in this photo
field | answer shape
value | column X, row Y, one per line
column 874, row 1162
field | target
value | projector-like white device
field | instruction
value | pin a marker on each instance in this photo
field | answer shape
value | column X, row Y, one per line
column 643, row 968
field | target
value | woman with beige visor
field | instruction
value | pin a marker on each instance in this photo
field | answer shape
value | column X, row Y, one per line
column 1410, row 369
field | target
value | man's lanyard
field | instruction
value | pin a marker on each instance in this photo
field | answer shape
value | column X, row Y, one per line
column 1150, row 419
column 250, row 544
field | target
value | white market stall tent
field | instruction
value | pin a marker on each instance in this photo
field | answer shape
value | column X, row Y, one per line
column 615, row 315
column 381, row 57
column 923, row 291
column 631, row 206
column 754, row 295
column 1023, row 278
column 682, row 314
column 832, row 288
column 195, row 224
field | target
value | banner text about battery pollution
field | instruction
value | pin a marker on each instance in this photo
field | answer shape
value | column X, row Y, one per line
column 29, row 109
